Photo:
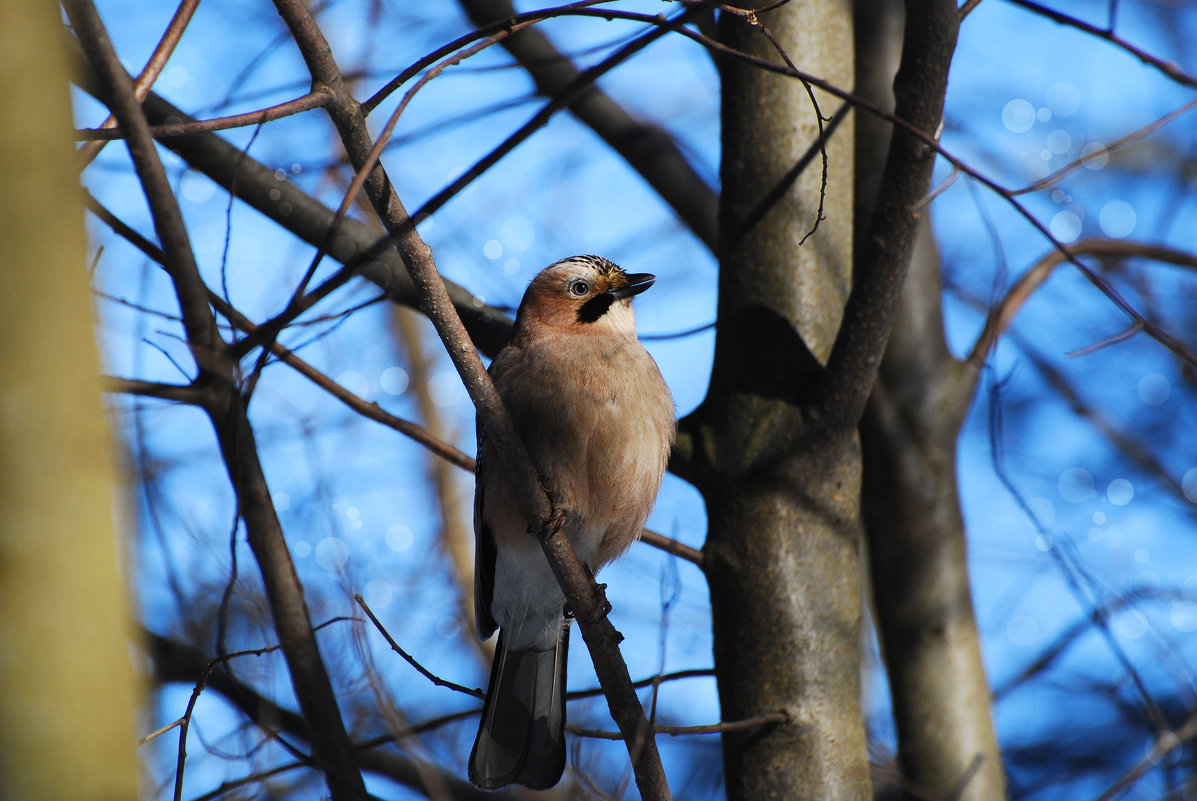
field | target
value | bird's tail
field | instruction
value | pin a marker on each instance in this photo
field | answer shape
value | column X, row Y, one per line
column 521, row 738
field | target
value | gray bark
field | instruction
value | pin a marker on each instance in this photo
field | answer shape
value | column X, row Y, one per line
column 913, row 523
column 782, row 551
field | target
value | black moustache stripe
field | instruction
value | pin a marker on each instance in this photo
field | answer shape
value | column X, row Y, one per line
column 594, row 308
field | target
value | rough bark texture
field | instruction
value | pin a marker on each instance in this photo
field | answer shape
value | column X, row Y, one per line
column 782, row 553
column 913, row 523
column 771, row 184
column 67, row 689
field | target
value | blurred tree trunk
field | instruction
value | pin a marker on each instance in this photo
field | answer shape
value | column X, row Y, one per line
column 782, row 551
column 67, row 691
column 911, row 508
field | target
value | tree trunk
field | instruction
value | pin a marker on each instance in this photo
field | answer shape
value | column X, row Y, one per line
column 911, row 508
column 782, row 551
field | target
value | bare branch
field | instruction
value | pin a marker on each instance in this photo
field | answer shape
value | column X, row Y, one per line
column 678, row 549
column 1166, row 742
column 647, row 148
column 154, row 389
column 583, row 595
column 881, row 266
column 332, row 749
column 1134, row 136
column 175, row 662
column 752, row 18
column 153, row 68
column 179, row 260
column 759, row 721
column 1001, row 315
column 307, row 102
column 423, row 671
column 1166, row 67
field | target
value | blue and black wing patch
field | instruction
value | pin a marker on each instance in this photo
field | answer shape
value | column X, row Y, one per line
column 485, row 554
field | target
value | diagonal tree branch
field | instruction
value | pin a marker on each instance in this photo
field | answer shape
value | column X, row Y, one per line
column 919, row 91
column 1166, row 67
column 366, row 408
column 332, row 749
column 257, row 184
column 647, row 148
column 178, row 662
column 584, row 596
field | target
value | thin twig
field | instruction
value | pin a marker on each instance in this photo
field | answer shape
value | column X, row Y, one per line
column 153, row 68
column 311, row 100
column 1002, row 313
column 752, row 18
column 1166, row 742
column 411, row 660
column 769, row 718
column 1166, row 67
column 1134, row 136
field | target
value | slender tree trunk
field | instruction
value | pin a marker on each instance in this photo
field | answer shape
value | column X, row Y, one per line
column 67, row 690
column 782, row 553
column 915, row 531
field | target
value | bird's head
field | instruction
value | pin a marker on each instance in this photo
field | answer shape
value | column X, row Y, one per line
column 581, row 294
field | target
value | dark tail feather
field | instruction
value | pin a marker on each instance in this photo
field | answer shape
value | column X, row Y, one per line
column 521, row 738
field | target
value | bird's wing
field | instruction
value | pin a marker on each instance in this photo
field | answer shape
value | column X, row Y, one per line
column 484, row 548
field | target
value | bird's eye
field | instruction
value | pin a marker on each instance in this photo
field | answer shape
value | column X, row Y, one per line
column 579, row 288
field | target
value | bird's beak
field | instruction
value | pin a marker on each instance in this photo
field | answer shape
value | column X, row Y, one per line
column 637, row 283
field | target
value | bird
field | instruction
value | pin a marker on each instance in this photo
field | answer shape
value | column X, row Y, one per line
column 597, row 420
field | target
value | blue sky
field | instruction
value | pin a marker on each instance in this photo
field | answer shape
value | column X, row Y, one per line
column 1026, row 96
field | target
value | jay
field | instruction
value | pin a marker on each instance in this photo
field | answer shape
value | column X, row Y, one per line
column 597, row 420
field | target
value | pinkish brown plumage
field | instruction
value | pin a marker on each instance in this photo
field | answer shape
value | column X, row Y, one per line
column 597, row 420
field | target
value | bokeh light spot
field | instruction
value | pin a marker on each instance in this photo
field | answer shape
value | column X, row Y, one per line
column 1022, row 631
column 394, row 381
column 1183, row 616
column 1018, row 116
column 1095, row 156
column 448, row 627
column 1040, row 512
column 1154, row 389
column 176, row 76
column 1120, row 492
column 1063, row 98
column 196, row 188
column 1117, row 219
column 378, row 593
column 1076, row 485
column 1059, row 141
column 1188, row 484
column 1131, row 624
column 445, row 389
column 517, row 234
column 1065, row 226
column 399, row 538
column 332, row 553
